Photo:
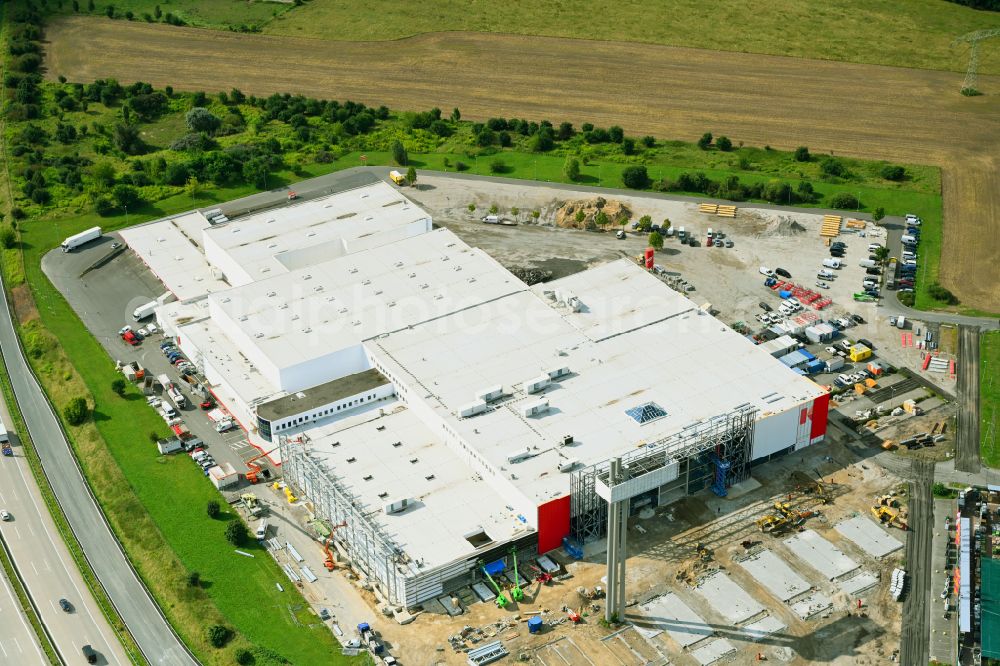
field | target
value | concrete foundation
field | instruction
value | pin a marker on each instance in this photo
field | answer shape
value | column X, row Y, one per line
column 669, row 613
column 820, row 554
column 728, row 598
column 774, row 574
column 869, row 536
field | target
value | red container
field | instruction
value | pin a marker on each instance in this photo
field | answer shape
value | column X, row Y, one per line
column 649, row 257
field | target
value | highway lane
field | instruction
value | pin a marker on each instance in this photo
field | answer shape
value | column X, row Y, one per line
column 47, row 568
column 18, row 643
column 150, row 629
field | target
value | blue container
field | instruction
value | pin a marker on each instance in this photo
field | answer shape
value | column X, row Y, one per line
column 784, row 294
column 534, row 625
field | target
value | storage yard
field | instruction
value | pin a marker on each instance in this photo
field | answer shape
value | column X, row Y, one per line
column 379, row 372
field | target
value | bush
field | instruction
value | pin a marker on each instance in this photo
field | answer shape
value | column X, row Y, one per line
column 399, row 155
column 635, row 177
column 194, row 579
column 832, row 167
column 705, row 141
column 724, row 144
column 802, row 154
column 218, row 635
column 893, row 172
column 200, row 119
column 461, row 166
column 236, row 532
column 213, row 509
column 193, row 141
column 75, row 412
column 941, row 293
column 571, row 169
column 498, row 166
column 8, row 239
column 118, row 386
column 616, row 133
column 906, row 298
column 845, row 201
column 649, row 141
column 244, row 657
column 125, row 196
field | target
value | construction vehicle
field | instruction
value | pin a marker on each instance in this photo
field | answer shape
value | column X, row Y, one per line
column 888, row 517
column 771, row 523
column 329, row 562
column 573, row 616
column 255, row 471
column 784, row 509
column 703, row 552
column 290, row 496
column 252, row 504
column 541, row 576
column 886, row 500
column 516, row 593
column 501, row 600
column 889, row 445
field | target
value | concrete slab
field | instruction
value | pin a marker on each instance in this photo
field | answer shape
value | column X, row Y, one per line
column 869, row 536
column 763, row 628
column 858, row 584
column 728, row 598
column 713, row 652
column 820, row 554
column 812, row 605
column 774, row 574
column 669, row 613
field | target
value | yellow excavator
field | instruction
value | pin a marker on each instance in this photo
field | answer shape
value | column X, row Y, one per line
column 772, row 523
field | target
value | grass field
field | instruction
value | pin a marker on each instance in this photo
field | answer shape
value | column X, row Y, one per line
column 915, row 33
column 915, row 117
column 989, row 396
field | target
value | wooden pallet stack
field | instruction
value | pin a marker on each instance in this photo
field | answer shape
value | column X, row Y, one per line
column 708, row 208
column 856, row 224
column 722, row 210
column 830, row 226
column 726, row 211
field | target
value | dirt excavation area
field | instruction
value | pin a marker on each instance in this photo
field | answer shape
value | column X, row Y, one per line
column 706, row 585
column 906, row 115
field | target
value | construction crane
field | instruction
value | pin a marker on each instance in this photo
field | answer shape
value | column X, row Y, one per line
column 253, row 469
column 516, row 593
column 329, row 562
column 972, row 73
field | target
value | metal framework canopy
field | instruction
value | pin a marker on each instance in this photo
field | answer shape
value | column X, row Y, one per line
column 726, row 438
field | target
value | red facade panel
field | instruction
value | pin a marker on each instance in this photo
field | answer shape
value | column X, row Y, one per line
column 820, row 412
column 553, row 524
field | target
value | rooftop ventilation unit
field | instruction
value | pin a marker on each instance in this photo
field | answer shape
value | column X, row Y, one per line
column 366, row 282
column 473, row 408
column 283, row 306
column 259, row 335
column 534, row 408
column 272, row 294
column 537, row 384
column 342, row 310
column 518, row 455
column 556, row 373
column 353, row 270
column 397, row 506
column 318, row 287
column 567, row 465
column 489, row 394
column 243, row 317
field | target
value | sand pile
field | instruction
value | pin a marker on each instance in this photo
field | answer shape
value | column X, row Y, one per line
column 569, row 214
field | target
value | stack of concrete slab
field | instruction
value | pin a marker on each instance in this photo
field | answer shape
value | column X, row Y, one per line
column 713, row 652
column 773, row 573
column 669, row 613
column 812, row 605
column 820, row 554
column 858, row 584
column 728, row 598
column 869, row 536
column 762, row 628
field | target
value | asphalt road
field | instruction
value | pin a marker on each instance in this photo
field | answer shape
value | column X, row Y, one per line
column 915, row 640
column 18, row 644
column 148, row 626
column 47, row 568
column 967, row 437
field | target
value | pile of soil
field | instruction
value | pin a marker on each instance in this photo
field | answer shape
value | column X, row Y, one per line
column 530, row 276
column 767, row 225
column 617, row 212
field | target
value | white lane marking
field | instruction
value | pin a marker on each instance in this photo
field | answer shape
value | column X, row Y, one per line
column 18, row 645
column 17, row 532
column 66, row 569
column 34, row 568
column 3, row 650
column 24, row 622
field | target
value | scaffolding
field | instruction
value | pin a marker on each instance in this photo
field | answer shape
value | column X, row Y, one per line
column 371, row 550
column 697, row 451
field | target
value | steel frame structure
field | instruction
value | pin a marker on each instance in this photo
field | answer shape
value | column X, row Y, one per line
column 728, row 437
column 371, row 550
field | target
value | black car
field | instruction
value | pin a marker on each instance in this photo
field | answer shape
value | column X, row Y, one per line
column 857, row 319
column 765, row 307
column 866, row 343
column 65, row 605
column 838, row 244
column 89, row 654
column 837, row 253
column 782, row 272
column 873, row 271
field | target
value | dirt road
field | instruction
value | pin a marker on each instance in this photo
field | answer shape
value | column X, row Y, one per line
column 914, row 645
column 858, row 110
column 967, row 443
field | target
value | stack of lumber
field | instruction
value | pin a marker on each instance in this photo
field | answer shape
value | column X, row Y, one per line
column 726, row 211
column 831, row 226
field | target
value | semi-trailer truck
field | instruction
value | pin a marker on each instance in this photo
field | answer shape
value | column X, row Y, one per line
column 79, row 239
column 144, row 311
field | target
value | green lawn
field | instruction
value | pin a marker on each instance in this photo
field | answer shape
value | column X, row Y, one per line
column 989, row 396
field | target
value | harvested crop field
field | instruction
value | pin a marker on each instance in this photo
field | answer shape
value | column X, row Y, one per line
column 849, row 109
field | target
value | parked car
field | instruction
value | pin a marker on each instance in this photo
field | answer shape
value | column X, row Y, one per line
column 224, row 425
column 65, row 605
column 831, row 350
column 840, row 244
column 782, row 272
column 822, row 285
column 873, row 271
column 765, row 307
column 89, row 654
column 729, row 243
column 764, row 270
column 5, row 515
column 866, row 343
column 857, row 319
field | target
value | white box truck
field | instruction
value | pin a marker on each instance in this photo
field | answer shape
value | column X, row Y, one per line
column 79, row 239
column 868, row 263
column 144, row 311
column 900, row 322
column 832, row 263
column 177, row 398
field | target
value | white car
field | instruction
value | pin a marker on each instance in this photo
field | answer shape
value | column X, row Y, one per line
column 822, row 285
column 124, row 329
column 764, row 270
column 143, row 332
column 152, row 328
column 4, row 515
column 831, row 350
column 224, row 425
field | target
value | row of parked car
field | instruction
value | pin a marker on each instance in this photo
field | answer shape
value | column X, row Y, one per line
column 907, row 267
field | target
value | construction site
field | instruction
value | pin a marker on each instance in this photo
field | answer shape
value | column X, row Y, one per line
column 456, row 466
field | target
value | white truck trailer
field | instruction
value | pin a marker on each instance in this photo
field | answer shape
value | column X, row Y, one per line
column 79, row 239
column 145, row 310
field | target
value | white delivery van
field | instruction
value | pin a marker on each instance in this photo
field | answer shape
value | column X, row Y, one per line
column 832, row 263
column 261, row 529
column 909, row 240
